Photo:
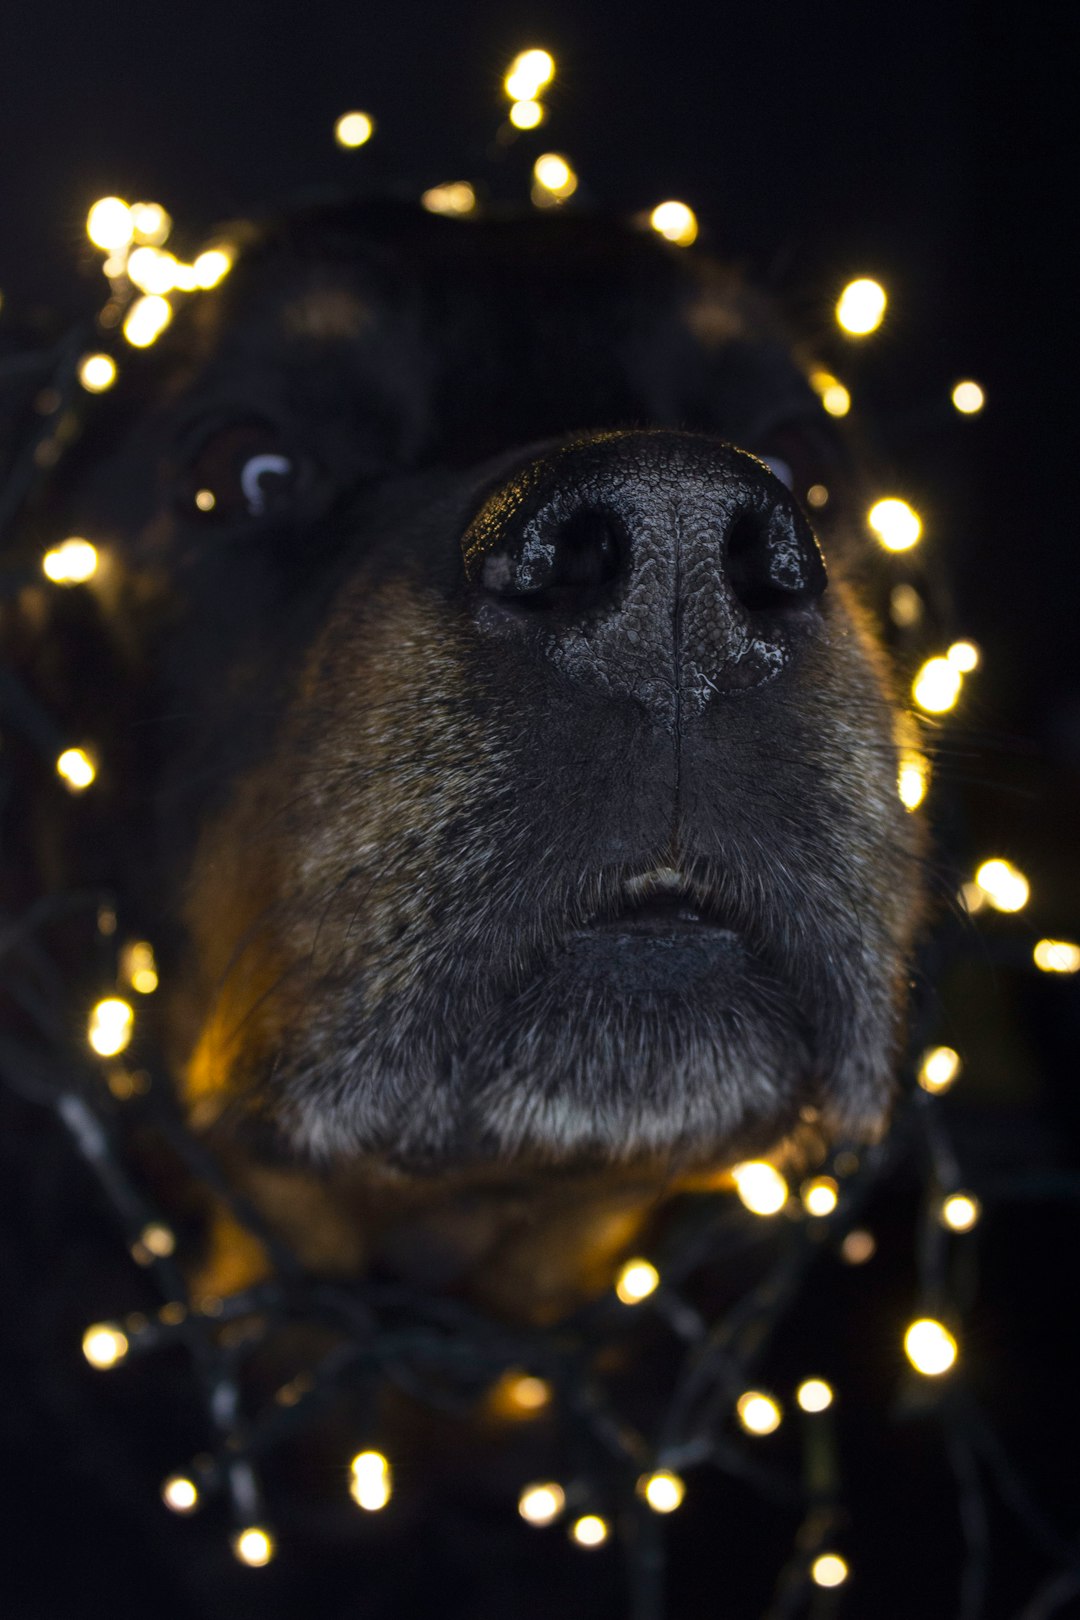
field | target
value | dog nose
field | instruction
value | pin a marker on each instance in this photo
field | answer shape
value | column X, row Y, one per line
column 661, row 565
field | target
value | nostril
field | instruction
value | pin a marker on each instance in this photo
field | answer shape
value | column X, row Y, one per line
column 566, row 564
column 773, row 562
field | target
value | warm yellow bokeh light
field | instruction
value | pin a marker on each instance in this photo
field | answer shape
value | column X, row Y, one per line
column 828, row 1570
column 553, row 174
column 832, row 393
column 527, row 114
column 964, row 656
column 541, row 1503
column 180, row 1494
column 590, row 1530
column 968, row 398
column 861, row 307
column 354, row 129
column 151, row 270
column 663, row 1490
column 637, row 1279
column 529, row 73
column 1004, row 885
column 960, row 1212
column 146, row 320
column 814, row 1395
column 1057, row 956
column 371, row 1485
column 912, row 780
column 140, row 968
column 820, row 1195
column 905, row 605
column 97, row 372
column 254, row 1546
column 109, row 224
column 858, row 1247
column 72, row 562
column 159, row 1239
column 897, row 524
column 110, row 1026
column 930, row 1347
column 936, row 688
column 760, row 1186
column 76, row 768
column 675, row 222
column 938, row 1069
column 104, row 1345
column 211, row 267
column 150, row 223
column 529, row 1394
column 758, row 1413
column 456, row 197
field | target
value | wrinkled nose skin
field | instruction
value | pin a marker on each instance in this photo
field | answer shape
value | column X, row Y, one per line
column 661, row 567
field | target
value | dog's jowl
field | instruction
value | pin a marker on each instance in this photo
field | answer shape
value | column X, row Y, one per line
column 516, row 766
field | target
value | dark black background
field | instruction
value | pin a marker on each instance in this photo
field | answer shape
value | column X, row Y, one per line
column 924, row 144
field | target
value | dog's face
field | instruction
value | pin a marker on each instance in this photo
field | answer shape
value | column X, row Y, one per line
column 517, row 773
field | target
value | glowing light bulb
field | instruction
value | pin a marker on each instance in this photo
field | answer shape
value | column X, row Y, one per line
column 180, row 1494
column 637, row 1279
column 912, row 780
column 930, row 1347
column 861, row 307
column 936, row 687
column 110, row 1026
column 456, row 197
column 1004, row 885
column 964, row 656
column 152, row 271
column 150, row 223
column 758, row 1413
column 832, row 393
column 968, row 398
column 109, row 224
column 760, row 1186
column 185, row 277
column 820, row 1196
column 675, row 222
column 146, row 320
column 254, row 1546
column 663, row 1490
column 104, row 1345
column 590, row 1530
column 938, row 1069
column 897, row 525
column 97, row 372
column 528, row 1394
column 814, row 1395
column 553, row 174
column 72, row 562
column 529, row 72
column 960, row 1212
column 1057, row 956
column 211, row 267
column 829, row 1569
column 205, row 500
column 542, row 1503
column 139, row 967
column 77, row 769
column 527, row 114
column 354, row 129
column 371, row 1486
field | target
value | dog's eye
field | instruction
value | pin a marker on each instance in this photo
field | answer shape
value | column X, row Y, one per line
column 241, row 471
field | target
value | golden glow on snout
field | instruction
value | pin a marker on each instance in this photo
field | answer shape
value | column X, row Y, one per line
column 354, row 129
column 860, row 309
column 72, row 562
column 76, row 768
column 758, row 1413
column 104, row 1345
column 110, row 1026
column 930, row 1347
column 371, row 1485
column 1004, row 885
column 968, row 398
column 675, row 222
column 897, row 524
column 541, row 1503
column 1057, row 956
column 936, row 688
column 109, row 224
column 97, row 372
column 760, row 1186
column 636, row 1281
column 939, row 1068
column 663, row 1490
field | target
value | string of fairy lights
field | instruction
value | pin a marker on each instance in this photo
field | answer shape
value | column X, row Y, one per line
column 721, row 1406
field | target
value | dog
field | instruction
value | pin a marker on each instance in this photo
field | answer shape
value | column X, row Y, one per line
column 502, row 764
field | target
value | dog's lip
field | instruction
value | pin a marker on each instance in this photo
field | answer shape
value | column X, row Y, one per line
column 660, row 902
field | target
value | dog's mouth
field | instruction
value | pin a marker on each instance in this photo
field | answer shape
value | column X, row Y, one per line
column 659, row 903
column 657, row 932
